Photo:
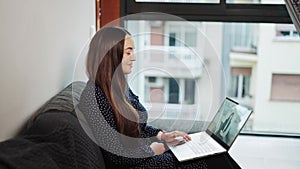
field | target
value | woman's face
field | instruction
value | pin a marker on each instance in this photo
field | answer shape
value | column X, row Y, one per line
column 128, row 55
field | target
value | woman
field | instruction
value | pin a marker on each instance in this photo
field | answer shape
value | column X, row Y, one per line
column 114, row 114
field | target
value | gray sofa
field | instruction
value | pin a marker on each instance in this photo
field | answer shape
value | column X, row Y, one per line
column 53, row 138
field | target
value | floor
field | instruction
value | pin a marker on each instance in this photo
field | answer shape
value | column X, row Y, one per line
column 258, row 152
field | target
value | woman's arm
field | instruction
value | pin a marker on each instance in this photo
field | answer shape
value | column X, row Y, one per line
column 100, row 118
column 150, row 131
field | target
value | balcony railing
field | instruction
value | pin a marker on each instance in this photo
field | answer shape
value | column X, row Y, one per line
column 177, row 61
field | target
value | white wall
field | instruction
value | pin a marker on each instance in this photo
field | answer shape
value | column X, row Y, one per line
column 39, row 43
column 275, row 57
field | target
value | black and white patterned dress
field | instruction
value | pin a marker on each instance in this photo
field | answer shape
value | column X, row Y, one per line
column 101, row 120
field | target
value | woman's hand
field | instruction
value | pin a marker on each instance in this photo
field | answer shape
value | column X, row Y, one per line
column 171, row 136
column 158, row 148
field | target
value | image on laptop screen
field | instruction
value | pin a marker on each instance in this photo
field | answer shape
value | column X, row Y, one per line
column 229, row 120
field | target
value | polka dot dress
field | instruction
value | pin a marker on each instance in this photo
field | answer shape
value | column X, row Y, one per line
column 117, row 154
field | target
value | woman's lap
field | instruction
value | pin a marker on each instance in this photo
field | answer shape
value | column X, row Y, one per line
column 168, row 160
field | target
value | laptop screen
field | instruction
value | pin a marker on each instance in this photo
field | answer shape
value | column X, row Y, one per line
column 228, row 121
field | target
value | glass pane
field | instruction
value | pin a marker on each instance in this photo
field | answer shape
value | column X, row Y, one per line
column 181, row 1
column 256, row 1
column 180, row 68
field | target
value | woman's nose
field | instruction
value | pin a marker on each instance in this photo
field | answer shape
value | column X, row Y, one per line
column 132, row 57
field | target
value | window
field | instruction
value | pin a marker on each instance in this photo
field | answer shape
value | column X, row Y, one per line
column 189, row 94
column 246, row 57
column 240, row 82
column 243, row 37
column 152, row 79
column 180, row 1
column 249, row 71
column 172, row 39
column 173, row 91
column 180, row 35
column 285, row 87
column 286, row 32
column 190, row 38
column 256, row 1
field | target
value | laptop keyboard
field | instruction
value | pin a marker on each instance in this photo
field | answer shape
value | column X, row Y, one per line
column 200, row 145
column 201, row 148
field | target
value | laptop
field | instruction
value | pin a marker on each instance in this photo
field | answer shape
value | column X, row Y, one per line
column 219, row 136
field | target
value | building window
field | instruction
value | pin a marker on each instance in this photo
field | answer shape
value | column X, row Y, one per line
column 190, row 39
column 172, row 39
column 189, row 91
column 180, row 35
column 152, row 79
column 173, row 91
column 285, row 87
column 157, row 37
column 240, row 82
column 243, row 37
column 286, row 32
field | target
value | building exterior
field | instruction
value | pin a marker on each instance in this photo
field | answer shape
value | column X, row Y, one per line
column 174, row 68
column 181, row 73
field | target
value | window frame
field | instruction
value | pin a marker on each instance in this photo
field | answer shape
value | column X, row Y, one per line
column 212, row 12
column 221, row 12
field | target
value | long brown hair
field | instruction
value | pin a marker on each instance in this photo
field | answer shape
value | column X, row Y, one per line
column 104, row 68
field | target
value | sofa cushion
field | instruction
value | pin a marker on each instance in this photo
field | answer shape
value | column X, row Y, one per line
column 62, row 128
column 55, row 140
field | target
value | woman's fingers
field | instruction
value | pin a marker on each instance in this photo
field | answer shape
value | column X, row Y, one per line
column 187, row 137
column 177, row 142
column 182, row 134
column 171, row 136
column 158, row 148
